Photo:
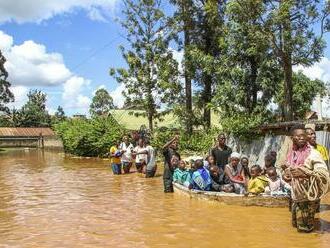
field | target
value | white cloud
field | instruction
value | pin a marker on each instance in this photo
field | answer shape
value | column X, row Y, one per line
column 319, row 70
column 72, row 94
column 40, row 10
column 30, row 64
column 20, row 93
column 95, row 14
column 117, row 96
column 178, row 56
column 6, row 41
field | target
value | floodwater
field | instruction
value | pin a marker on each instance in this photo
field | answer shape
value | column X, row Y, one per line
column 49, row 200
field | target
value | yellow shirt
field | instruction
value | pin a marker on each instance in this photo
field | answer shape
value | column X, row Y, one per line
column 257, row 185
column 114, row 160
column 324, row 152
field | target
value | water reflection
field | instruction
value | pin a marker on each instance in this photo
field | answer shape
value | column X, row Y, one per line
column 50, row 200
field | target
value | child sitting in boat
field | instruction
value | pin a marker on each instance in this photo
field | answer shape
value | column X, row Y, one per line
column 219, row 180
column 235, row 173
column 276, row 186
column 245, row 166
column 258, row 182
column 201, row 179
column 209, row 162
column 269, row 163
column 181, row 175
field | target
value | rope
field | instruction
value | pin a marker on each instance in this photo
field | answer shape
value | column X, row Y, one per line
column 316, row 187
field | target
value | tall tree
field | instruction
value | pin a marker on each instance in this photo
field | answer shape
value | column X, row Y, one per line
column 250, row 70
column 152, row 73
column 207, row 50
column 290, row 27
column 102, row 103
column 305, row 91
column 60, row 114
column 184, row 14
column 34, row 113
column 6, row 95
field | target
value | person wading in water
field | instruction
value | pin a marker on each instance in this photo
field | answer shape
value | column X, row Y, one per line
column 169, row 149
column 221, row 152
column 307, row 172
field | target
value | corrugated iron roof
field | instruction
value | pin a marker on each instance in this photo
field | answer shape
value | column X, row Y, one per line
column 25, row 132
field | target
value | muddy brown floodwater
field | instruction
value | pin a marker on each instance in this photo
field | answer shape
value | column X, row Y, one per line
column 49, row 200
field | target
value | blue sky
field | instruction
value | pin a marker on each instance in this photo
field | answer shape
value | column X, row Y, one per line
column 65, row 48
column 87, row 44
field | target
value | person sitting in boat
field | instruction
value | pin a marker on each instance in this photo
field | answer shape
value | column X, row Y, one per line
column 269, row 163
column 209, row 162
column 245, row 165
column 276, row 186
column 258, row 182
column 235, row 173
column 181, row 175
column 219, row 180
column 201, row 179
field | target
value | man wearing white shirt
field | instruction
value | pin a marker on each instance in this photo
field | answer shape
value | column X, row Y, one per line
column 126, row 159
column 151, row 164
column 141, row 155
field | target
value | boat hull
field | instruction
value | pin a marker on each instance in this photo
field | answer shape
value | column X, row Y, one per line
column 234, row 199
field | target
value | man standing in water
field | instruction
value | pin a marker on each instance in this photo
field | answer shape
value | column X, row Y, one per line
column 126, row 159
column 169, row 149
column 309, row 177
column 221, row 152
column 151, row 165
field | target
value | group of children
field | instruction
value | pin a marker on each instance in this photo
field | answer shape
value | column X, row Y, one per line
column 123, row 154
column 235, row 177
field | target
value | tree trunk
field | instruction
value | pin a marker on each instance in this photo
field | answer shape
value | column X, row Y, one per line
column 288, row 89
column 254, row 86
column 188, row 89
column 207, row 99
column 150, row 121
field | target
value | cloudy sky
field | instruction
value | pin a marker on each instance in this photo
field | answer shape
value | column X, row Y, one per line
column 66, row 47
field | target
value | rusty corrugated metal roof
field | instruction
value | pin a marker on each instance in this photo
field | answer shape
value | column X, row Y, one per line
column 25, row 132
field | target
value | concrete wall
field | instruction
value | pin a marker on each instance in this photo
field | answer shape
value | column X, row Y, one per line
column 36, row 142
column 53, row 143
column 8, row 143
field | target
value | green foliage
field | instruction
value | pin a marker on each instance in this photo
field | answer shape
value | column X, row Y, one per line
column 152, row 73
column 199, row 142
column 6, row 96
column 59, row 116
column 102, row 103
column 92, row 137
column 34, row 113
column 243, row 125
column 305, row 91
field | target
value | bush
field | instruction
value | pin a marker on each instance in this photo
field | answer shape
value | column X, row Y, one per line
column 243, row 126
column 93, row 137
column 199, row 142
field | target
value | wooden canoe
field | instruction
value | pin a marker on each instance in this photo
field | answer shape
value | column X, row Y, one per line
column 234, row 199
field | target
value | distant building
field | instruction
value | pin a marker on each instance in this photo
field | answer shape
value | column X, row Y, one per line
column 79, row 116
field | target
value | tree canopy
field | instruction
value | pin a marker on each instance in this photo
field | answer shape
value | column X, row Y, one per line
column 102, row 103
